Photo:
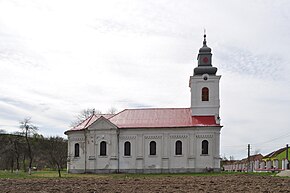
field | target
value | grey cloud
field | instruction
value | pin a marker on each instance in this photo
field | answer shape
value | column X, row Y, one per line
column 18, row 104
column 106, row 26
column 14, row 51
column 244, row 62
column 133, row 104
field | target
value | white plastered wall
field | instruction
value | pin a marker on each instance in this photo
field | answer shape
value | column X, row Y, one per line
column 165, row 157
column 198, row 106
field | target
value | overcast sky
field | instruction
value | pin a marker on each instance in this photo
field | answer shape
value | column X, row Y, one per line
column 58, row 57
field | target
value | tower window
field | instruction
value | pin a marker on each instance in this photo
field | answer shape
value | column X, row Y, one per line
column 77, row 150
column 127, row 148
column 204, row 147
column 204, row 94
column 103, row 148
column 178, row 148
column 152, row 148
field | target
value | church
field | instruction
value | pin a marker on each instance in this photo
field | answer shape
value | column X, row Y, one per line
column 154, row 140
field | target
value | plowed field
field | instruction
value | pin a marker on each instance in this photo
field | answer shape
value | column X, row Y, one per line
column 170, row 183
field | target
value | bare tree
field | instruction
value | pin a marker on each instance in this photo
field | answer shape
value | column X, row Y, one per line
column 2, row 131
column 224, row 158
column 56, row 148
column 83, row 115
column 27, row 129
column 17, row 150
column 8, row 152
column 257, row 151
column 112, row 110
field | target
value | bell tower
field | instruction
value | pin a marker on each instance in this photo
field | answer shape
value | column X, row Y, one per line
column 204, row 85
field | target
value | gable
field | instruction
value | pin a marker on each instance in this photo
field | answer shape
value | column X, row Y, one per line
column 102, row 124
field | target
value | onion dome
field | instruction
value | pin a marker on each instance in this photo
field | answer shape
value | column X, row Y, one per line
column 204, row 48
column 204, row 60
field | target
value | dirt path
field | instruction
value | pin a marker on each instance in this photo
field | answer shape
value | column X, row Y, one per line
column 224, row 183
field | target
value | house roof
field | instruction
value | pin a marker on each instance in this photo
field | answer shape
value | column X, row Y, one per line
column 252, row 158
column 245, row 160
column 152, row 118
column 274, row 153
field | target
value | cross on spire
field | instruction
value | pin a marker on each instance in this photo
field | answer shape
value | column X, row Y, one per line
column 204, row 37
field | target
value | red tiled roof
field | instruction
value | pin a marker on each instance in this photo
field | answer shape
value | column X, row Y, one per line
column 90, row 120
column 153, row 118
column 160, row 117
column 252, row 158
column 203, row 121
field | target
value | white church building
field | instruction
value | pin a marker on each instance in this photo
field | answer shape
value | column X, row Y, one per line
column 154, row 140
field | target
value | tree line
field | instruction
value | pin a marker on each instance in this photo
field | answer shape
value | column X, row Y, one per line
column 27, row 150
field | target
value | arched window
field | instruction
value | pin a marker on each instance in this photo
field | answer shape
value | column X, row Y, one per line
column 103, row 148
column 77, row 150
column 204, row 147
column 152, row 148
column 178, row 148
column 204, row 94
column 127, row 148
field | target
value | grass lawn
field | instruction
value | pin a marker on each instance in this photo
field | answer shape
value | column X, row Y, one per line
column 64, row 174
column 44, row 174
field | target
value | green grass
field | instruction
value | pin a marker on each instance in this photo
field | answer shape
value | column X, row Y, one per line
column 8, row 174
column 48, row 174
column 64, row 174
column 35, row 174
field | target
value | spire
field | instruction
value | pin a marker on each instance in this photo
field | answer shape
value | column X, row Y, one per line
column 204, row 48
column 204, row 39
column 204, row 60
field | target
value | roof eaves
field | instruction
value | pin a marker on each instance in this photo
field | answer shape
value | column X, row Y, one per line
column 159, row 127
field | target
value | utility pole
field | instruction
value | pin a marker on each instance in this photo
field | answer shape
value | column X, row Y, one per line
column 287, row 165
column 249, row 147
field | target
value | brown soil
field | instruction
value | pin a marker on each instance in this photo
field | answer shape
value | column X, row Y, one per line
column 223, row 183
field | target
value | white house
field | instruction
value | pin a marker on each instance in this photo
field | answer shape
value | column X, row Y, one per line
column 154, row 140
